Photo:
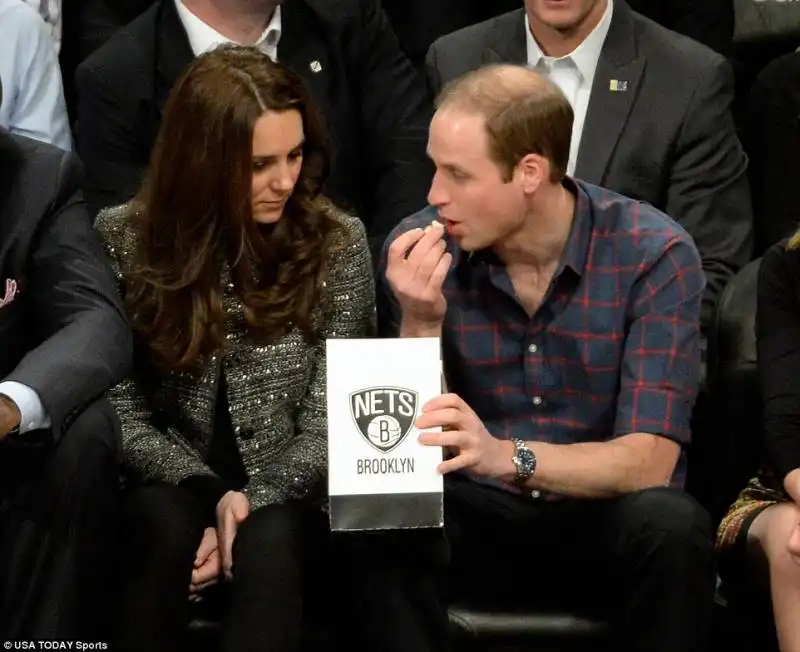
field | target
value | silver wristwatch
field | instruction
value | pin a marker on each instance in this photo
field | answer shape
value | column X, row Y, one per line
column 525, row 462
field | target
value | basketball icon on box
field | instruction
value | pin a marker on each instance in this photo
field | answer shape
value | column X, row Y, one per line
column 384, row 415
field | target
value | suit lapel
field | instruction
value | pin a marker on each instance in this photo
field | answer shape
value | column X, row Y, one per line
column 173, row 52
column 506, row 41
column 608, row 110
column 304, row 51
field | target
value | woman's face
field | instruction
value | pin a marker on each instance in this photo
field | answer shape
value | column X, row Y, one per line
column 277, row 160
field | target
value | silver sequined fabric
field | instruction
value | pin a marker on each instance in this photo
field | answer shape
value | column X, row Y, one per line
column 276, row 393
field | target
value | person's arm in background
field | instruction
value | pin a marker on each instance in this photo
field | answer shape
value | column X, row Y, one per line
column 396, row 110
column 86, row 341
column 32, row 102
column 778, row 342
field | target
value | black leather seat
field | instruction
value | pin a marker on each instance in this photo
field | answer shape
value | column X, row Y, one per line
column 472, row 625
column 492, row 625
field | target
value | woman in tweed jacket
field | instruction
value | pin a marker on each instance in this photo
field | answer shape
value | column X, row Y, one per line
column 234, row 270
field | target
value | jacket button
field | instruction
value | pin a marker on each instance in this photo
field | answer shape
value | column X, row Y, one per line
column 248, row 434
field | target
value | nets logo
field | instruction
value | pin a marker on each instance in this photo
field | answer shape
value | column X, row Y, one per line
column 384, row 415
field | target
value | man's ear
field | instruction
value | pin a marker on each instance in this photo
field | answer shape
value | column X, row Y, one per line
column 533, row 171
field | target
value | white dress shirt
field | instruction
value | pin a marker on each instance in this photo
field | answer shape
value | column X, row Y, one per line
column 33, row 414
column 33, row 97
column 50, row 11
column 203, row 37
column 573, row 73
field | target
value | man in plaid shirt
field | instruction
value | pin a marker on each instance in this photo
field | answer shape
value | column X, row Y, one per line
column 569, row 320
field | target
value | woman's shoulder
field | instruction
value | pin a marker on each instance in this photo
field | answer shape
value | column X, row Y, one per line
column 352, row 229
column 115, row 225
column 349, row 261
column 116, row 222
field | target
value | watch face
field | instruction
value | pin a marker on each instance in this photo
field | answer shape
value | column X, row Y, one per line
column 527, row 460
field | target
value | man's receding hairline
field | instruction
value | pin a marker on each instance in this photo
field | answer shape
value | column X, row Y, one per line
column 496, row 84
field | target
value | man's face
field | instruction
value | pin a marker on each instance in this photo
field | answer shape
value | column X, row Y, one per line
column 478, row 208
column 563, row 15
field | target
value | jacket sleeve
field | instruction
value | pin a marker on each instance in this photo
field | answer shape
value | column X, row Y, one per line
column 299, row 472
column 152, row 451
column 86, row 341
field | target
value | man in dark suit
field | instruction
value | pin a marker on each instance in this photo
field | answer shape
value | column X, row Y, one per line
column 652, row 109
column 375, row 103
column 64, row 341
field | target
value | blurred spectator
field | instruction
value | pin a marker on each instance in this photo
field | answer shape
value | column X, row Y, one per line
column 653, row 116
column 374, row 102
column 33, row 98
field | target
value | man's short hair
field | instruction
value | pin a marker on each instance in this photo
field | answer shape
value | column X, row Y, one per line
column 524, row 112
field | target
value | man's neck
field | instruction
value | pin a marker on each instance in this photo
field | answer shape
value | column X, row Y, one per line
column 559, row 43
column 241, row 21
column 540, row 241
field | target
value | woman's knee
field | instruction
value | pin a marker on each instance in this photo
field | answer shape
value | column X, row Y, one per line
column 768, row 538
column 276, row 532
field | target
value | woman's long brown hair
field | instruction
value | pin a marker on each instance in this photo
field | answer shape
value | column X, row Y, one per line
column 194, row 215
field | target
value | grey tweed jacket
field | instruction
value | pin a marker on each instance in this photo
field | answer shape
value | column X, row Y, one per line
column 276, row 393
